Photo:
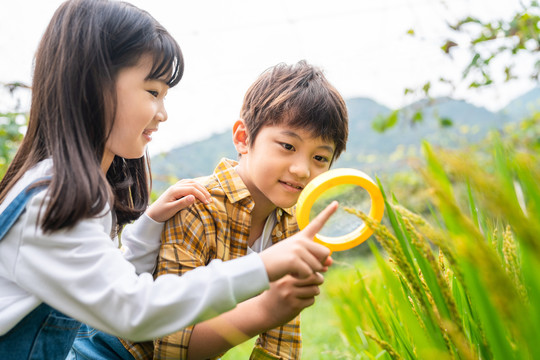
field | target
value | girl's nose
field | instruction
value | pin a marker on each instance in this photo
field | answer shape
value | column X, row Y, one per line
column 162, row 114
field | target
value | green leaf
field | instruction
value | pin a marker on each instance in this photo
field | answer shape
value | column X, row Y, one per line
column 445, row 122
column 383, row 123
column 418, row 117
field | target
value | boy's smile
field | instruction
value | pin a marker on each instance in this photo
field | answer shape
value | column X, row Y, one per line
column 292, row 186
column 279, row 163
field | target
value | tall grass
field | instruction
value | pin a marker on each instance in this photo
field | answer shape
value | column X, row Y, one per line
column 466, row 283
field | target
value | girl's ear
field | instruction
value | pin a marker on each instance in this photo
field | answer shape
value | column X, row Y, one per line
column 240, row 137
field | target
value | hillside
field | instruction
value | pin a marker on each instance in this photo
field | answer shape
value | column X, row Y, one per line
column 373, row 152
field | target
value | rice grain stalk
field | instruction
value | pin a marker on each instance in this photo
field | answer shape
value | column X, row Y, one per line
column 460, row 341
column 410, row 281
column 419, row 241
column 379, row 313
column 384, row 345
column 436, row 236
column 446, row 250
column 512, row 262
column 437, row 316
column 502, row 204
column 415, row 312
column 472, row 246
column 391, row 245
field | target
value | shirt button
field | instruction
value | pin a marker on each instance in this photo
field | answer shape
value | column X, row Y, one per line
column 279, row 233
column 280, row 212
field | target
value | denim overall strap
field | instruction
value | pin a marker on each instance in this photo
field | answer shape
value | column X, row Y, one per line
column 45, row 333
column 9, row 216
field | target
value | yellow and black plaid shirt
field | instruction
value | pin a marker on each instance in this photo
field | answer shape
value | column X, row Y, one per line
column 220, row 230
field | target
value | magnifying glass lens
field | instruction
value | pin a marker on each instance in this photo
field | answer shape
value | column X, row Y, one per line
column 342, row 222
column 351, row 188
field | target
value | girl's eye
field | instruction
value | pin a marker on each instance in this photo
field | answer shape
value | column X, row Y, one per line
column 320, row 158
column 153, row 93
column 287, row 146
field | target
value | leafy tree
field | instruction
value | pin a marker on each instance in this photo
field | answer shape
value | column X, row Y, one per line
column 12, row 124
column 501, row 42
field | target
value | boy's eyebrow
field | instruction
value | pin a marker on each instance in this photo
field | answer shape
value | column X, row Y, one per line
column 295, row 135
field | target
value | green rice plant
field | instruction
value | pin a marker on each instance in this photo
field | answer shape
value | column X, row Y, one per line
column 464, row 285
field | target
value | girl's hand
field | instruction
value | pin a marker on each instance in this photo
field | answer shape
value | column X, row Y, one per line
column 177, row 197
column 299, row 255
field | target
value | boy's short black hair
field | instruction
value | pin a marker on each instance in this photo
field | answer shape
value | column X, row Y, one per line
column 300, row 96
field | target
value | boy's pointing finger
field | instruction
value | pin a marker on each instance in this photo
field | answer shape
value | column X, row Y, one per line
column 318, row 222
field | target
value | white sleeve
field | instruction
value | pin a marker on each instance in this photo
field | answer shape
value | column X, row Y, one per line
column 80, row 272
column 140, row 243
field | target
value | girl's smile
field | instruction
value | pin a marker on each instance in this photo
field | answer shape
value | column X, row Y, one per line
column 148, row 134
column 140, row 108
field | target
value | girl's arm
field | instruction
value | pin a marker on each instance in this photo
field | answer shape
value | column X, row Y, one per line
column 80, row 272
column 141, row 240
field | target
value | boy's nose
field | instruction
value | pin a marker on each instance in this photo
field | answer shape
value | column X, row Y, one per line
column 300, row 169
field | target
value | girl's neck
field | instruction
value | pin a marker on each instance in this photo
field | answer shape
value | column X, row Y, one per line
column 106, row 161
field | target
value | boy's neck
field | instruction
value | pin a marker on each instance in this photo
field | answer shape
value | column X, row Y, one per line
column 259, row 215
column 261, row 210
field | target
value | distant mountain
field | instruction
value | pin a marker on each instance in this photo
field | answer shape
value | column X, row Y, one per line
column 193, row 160
column 522, row 107
column 373, row 152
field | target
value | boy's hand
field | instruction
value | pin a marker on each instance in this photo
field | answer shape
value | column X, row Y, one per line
column 288, row 296
column 299, row 255
column 177, row 197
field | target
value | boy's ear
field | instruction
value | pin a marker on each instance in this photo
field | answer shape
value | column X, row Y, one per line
column 240, row 136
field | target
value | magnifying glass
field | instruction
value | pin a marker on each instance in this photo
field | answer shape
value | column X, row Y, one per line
column 326, row 182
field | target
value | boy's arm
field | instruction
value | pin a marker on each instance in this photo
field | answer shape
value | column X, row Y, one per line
column 284, row 342
column 270, row 310
column 183, row 249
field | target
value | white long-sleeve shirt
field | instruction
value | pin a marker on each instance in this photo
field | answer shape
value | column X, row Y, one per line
column 81, row 272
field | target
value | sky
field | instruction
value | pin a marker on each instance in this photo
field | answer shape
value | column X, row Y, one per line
column 362, row 47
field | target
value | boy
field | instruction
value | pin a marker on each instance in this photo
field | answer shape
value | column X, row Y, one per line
column 293, row 125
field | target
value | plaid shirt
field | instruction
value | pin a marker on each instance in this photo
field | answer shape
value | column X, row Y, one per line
column 219, row 230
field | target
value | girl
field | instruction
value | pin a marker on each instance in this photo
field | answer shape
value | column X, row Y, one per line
column 101, row 73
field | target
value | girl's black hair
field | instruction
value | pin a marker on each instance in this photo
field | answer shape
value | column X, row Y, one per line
column 73, row 108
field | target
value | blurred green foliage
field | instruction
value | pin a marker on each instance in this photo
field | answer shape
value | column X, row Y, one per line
column 466, row 283
column 13, row 123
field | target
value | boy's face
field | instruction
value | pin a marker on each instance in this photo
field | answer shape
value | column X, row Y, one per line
column 280, row 163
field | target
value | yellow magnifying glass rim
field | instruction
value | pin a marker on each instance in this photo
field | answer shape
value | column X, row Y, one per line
column 330, row 179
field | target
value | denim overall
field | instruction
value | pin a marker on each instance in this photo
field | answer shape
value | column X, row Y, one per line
column 45, row 333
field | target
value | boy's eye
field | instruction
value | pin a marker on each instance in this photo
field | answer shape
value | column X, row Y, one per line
column 287, row 146
column 321, row 158
column 153, row 93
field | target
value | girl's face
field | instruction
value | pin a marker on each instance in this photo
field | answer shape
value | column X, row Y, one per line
column 140, row 109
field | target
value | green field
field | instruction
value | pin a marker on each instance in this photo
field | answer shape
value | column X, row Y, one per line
column 321, row 327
